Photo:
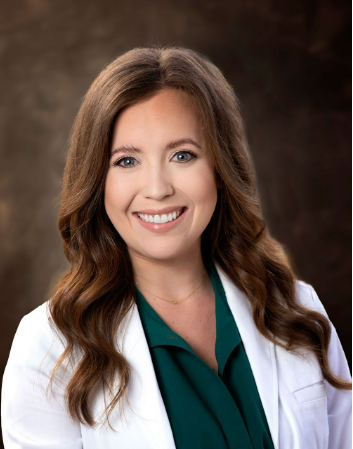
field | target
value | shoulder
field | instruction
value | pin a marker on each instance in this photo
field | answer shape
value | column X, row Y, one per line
column 33, row 410
column 36, row 322
column 337, row 358
column 308, row 297
column 34, row 333
column 37, row 344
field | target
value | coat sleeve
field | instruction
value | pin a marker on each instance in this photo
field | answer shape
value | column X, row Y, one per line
column 339, row 402
column 31, row 419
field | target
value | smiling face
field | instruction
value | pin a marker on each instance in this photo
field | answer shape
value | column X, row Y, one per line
column 158, row 172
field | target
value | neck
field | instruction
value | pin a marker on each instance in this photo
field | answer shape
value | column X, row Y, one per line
column 170, row 279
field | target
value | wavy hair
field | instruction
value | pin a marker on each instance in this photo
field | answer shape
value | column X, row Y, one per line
column 92, row 298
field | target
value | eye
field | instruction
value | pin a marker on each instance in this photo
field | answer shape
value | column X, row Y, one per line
column 131, row 158
column 116, row 163
column 193, row 155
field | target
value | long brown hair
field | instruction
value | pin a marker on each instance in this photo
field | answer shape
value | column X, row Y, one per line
column 93, row 297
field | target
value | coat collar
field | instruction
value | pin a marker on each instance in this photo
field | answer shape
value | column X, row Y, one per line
column 145, row 396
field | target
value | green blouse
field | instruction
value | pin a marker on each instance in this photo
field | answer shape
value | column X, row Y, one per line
column 205, row 409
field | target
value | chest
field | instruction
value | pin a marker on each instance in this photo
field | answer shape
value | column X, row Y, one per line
column 291, row 389
column 197, row 326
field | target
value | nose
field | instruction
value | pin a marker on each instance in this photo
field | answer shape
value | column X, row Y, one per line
column 157, row 182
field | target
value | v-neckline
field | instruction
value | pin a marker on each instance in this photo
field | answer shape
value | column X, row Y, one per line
column 158, row 333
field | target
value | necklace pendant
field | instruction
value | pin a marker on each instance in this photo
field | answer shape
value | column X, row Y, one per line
column 174, row 302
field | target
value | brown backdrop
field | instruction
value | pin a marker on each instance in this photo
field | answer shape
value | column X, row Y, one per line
column 290, row 64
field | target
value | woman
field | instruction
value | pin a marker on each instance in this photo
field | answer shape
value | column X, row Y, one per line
column 180, row 323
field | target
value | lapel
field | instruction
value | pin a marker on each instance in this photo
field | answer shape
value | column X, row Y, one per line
column 144, row 393
column 259, row 350
column 145, row 396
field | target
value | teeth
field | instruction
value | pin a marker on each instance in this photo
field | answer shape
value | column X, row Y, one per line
column 160, row 218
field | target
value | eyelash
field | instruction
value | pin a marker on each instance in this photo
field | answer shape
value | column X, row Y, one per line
column 194, row 156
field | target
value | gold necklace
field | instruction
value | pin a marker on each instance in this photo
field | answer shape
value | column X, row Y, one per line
column 176, row 302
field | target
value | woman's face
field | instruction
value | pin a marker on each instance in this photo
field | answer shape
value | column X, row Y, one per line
column 160, row 174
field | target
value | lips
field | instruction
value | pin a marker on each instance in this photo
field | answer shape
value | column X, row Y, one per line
column 162, row 227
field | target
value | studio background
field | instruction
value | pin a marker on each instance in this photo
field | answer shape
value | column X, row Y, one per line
column 290, row 65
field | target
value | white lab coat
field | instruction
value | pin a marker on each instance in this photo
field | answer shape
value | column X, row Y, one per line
column 303, row 411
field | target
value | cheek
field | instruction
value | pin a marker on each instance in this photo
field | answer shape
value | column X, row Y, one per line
column 202, row 186
column 108, row 193
column 113, row 195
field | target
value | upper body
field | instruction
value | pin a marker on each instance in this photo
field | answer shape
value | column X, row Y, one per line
column 158, row 181
column 303, row 411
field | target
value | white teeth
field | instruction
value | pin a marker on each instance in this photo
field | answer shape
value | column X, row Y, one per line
column 159, row 218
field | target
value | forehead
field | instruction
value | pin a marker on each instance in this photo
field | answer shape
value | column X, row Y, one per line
column 167, row 111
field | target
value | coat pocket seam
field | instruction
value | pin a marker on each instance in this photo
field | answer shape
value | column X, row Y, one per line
column 311, row 393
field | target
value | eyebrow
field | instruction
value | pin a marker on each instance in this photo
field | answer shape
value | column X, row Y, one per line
column 170, row 146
